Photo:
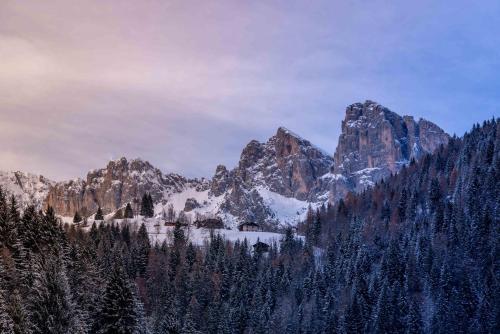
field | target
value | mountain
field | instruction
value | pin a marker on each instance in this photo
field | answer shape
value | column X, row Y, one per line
column 274, row 180
column 376, row 142
column 26, row 187
column 273, row 183
column 119, row 183
column 417, row 253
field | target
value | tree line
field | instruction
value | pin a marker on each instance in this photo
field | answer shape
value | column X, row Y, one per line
column 416, row 253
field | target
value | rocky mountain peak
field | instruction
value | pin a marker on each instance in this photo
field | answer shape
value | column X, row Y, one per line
column 273, row 180
column 376, row 141
column 286, row 164
column 26, row 187
column 285, row 168
column 221, row 181
column 120, row 182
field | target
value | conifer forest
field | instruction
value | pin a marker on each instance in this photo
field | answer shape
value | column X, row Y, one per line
column 416, row 253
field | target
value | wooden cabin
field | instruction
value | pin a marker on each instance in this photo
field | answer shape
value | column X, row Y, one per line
column 172, row 224
column 249, row 227
column 211, row 223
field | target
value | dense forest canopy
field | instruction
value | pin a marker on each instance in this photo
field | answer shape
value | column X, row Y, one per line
column 417, row 253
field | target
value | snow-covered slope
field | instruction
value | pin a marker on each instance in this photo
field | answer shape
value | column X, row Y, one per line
column 26, row 187
column 273, row 183
column 158, row 232
column 119, row 183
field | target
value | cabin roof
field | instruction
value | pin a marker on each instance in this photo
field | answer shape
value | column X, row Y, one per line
column 249, row 224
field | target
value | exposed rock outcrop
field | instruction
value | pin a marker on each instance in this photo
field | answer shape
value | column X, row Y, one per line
column 121, row 182
column 286, row 164
column 274, row 182
column 25, row 187
column 376, row 142
column 221, row 181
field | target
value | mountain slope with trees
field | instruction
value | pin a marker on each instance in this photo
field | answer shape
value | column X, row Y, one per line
column 416, row 253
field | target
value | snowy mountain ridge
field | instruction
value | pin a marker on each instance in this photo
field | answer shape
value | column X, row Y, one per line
column 26, row 187
column 273, row 184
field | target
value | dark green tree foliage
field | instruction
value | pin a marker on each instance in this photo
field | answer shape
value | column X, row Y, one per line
column 129, row 213
column 118, row 310
column 147, row 205
column 402, row 205
column 142, row 250
column 99, row 215
column 77, row 218
column 416, row 253
column 51, row 306
column 6, row 322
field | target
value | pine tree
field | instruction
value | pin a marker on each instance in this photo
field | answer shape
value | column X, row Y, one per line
column 168, row 322
column 51, row 306
column 309, row 228
column 316, row 232
column 151, row 206
column 414, row 323
column 354, row 319
column 77, row 218
column 118, row 314
column 434, row 194
column 99, row 215
column 189, row 326
column 9, row 220
column 402, row 205
column 129, row 213
column 19, row 314
column 147, row 206
column 143, row 248
column 384, row 312
column 6, row 322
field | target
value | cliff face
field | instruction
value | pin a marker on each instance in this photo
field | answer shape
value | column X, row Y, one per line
column 376, row 142
column 287, row 166
column 274, row 182
column 121, row 182
column 25, row 187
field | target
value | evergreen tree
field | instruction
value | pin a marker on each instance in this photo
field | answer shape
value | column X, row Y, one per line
column 402, row 205
column 77, row 218
column 354, row 319
column 129, row 213
column 147, row 206
column 316, row 231
column 6, row 322
column 19, row 314
column 51, row 306
column 99, row 215
column 414, row 323
column 143, row 248
column 118, row 309
column 189, row 326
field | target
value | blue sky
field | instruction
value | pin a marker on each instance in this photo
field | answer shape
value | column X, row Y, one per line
column 186, row 84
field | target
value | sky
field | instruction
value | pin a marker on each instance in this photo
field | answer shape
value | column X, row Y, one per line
column 187, row 84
